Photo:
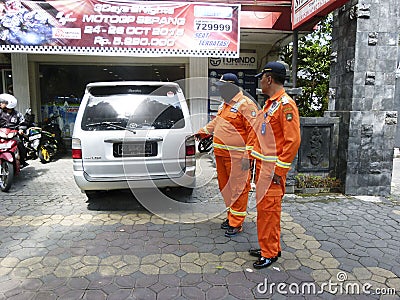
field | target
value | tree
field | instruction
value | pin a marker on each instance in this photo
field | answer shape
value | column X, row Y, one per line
column 313, row 66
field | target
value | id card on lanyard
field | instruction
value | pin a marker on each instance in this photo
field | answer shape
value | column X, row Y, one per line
column 267, row 116
column 264, row 124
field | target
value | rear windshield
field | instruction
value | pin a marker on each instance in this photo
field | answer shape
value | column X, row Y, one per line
column 133, row 107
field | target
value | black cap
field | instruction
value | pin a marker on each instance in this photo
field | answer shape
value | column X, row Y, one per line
column 227, row 78
column 273, row 67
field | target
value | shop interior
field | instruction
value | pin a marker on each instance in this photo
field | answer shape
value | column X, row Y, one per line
column 62, row 86
column 60, row 83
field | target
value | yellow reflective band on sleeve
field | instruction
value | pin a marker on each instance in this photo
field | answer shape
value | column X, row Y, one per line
column 229, row 148
column 249, row 147
column 237, row 213
column 283, row 164
column 263, row 157
column 205, row 130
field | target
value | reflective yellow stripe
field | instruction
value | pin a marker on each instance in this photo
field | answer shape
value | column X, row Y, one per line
column 283, row 164
column 263, row 157
column 205, row 130
column 249, row 147
column 226, row 147
column 237, row 213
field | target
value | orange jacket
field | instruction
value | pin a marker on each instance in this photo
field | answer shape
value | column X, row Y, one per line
column 278, row 132
column 231, row 127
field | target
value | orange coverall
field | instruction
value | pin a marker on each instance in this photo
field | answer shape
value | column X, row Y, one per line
column 278, row 139
column 231, row 128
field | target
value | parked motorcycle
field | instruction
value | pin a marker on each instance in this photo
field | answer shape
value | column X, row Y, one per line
column 51, row 125
column 9, row 158
column 38, row 142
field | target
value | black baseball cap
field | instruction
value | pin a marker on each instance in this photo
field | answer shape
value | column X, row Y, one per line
column 273, row 67
column 227, row 78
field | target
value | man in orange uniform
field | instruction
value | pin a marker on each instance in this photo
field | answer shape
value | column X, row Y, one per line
column 278, row 139
column 231, row 128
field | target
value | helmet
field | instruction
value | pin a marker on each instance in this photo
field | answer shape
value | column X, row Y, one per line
column 9, row 99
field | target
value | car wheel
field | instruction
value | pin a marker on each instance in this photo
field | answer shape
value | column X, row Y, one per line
column 186, row 191
column 92, row 194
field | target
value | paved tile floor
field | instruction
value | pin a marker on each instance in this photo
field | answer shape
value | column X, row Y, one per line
column 55, row 243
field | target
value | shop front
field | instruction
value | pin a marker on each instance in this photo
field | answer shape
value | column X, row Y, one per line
column 52, row 49
column 60, row 46
column 62, row 85
column 244, row 67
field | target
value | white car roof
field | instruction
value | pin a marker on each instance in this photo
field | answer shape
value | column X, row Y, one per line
column 116, row 83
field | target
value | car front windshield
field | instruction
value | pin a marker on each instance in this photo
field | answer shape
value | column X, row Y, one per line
column 133, row 107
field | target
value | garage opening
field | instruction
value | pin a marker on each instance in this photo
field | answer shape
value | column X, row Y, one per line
column 62, row 86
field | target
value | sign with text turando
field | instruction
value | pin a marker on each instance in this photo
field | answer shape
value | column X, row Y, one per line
column 245, row 61
column 109, row 27
column 244, row 67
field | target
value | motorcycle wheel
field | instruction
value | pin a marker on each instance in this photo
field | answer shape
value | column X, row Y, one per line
column 44, row 155
column 205, row 145
column 6, row 175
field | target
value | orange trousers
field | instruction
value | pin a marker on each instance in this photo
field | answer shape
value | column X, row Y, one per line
column 269, row 206
column 234, row 184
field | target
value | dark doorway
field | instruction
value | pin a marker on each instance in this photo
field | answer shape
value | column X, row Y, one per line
column 58, row 82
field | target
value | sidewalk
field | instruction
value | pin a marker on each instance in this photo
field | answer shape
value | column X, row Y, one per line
column 57, row 244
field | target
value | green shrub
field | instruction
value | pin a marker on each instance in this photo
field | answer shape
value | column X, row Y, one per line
column 316, row 181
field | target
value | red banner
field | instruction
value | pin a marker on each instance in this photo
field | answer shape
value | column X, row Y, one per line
column 304, row 10
column 101, row 27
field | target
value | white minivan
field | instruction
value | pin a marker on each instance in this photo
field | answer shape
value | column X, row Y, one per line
column 133, row 134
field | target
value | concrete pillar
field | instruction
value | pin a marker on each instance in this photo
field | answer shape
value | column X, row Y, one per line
column 20, row 75
column 362, row 93
column 197, row 91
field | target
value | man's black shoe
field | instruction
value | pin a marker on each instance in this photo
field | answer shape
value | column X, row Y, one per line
column 257, row 253
column 225, row 224
column 264, row 262
column 232, row 231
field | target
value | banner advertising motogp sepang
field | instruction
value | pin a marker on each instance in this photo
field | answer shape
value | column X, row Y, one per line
column 94, row 27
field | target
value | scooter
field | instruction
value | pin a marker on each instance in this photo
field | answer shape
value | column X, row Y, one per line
column 51, row 125
column 38, row 142
column 9, row 158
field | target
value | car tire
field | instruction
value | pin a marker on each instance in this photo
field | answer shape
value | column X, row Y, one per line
column 186, row 191
column 92, row 194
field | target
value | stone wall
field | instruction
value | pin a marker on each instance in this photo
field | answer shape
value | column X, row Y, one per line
column 319, row 145
column 317, row 154
column 362, row 93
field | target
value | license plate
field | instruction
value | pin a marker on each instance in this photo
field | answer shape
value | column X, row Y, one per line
column 135, row 150
column 34, row 137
